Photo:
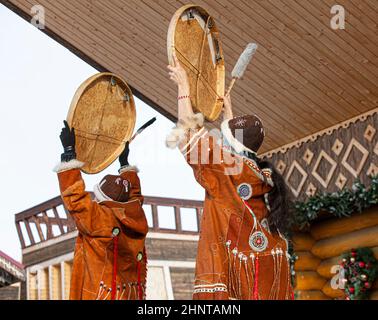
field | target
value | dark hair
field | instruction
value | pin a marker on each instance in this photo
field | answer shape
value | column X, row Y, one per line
column 280, row 213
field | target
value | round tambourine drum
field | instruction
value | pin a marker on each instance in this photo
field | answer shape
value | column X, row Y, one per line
column 103, row 115
column 195, row 38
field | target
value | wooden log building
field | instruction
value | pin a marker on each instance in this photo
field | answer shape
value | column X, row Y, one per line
column 315, row 88
column 319, row 251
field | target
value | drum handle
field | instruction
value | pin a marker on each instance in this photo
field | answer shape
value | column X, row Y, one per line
column 233, row 81
column 142, row 128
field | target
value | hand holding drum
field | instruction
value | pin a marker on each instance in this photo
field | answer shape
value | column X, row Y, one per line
column 178, row 74
column 196, row 60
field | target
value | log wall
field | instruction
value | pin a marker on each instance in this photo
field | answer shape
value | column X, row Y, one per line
column 320, row 249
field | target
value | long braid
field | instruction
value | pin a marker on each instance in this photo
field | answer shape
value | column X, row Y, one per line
column 279, row 215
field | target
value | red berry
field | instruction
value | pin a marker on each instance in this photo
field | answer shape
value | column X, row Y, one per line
column 354, row 254
column 361, row 264
column 367, row 285
column 351, row 289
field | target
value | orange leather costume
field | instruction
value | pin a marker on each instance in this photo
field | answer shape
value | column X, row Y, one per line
column 238, row 256
column 107, row 264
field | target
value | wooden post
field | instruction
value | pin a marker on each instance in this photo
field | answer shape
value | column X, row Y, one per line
column 38, row 226
column 55, row 281
column 178, row 219
column 30, row 234
column 59, row 221
column 20, row 235
column 155, row 218
column 46, row 219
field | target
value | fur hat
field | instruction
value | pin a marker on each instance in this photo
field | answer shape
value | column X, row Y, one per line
column 112, row 188
column 244, row 133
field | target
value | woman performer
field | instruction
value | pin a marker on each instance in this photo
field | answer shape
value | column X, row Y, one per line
column 109, row 261
column 242, row 253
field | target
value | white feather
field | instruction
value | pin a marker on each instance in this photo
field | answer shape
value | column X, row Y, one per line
column 244, row 60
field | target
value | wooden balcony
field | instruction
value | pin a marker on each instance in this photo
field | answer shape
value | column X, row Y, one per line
column 50, row 219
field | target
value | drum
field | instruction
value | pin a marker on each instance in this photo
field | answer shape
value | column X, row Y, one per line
column 103, row 115
column 195, row 38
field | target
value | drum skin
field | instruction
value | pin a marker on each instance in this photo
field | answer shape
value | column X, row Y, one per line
column 195, row 38
column 103, row 115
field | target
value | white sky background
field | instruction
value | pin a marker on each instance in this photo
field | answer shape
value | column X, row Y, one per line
column 38, row 78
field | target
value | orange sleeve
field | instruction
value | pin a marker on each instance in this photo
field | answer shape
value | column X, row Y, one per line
column 77, row 201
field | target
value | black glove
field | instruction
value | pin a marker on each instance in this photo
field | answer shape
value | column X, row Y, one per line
column 123, row 158
column 67, row 137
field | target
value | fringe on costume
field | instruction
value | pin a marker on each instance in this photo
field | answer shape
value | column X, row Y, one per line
column 178, row 133
column 125, row 291
column 242, row 266
column 65, row 166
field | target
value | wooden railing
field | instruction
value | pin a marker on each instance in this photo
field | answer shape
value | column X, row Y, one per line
column 50, row 219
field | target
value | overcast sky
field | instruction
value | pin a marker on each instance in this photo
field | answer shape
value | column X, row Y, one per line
column 38, row 78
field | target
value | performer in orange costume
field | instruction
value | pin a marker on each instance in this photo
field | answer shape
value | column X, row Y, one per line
column 242, row 253
column 110, row 260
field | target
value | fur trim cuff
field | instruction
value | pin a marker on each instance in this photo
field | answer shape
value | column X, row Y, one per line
column 234, row 143
column 128, row 168
column 65, row 166
column 178, row 133
column 175, row 136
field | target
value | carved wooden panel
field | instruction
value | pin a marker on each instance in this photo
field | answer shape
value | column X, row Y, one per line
column 332, row 159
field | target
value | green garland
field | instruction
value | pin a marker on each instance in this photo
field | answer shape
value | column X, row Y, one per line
column 360, row 271
column 341, row 204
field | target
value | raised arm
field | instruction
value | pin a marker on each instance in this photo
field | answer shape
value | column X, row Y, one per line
column 199, row 147
column 179, row 76
column 227, row 108
column 130, row 173
column 76, row 200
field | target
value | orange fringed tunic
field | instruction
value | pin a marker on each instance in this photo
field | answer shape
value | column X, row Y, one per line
column 106, row 265
column 238, row 256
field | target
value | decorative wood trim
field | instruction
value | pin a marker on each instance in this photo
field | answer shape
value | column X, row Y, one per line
column 324, row 182
column 317, row 135
column 332, row 161
column 365, row 153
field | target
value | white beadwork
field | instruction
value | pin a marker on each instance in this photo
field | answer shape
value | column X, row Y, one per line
column 211, row 288
column 241, row 122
